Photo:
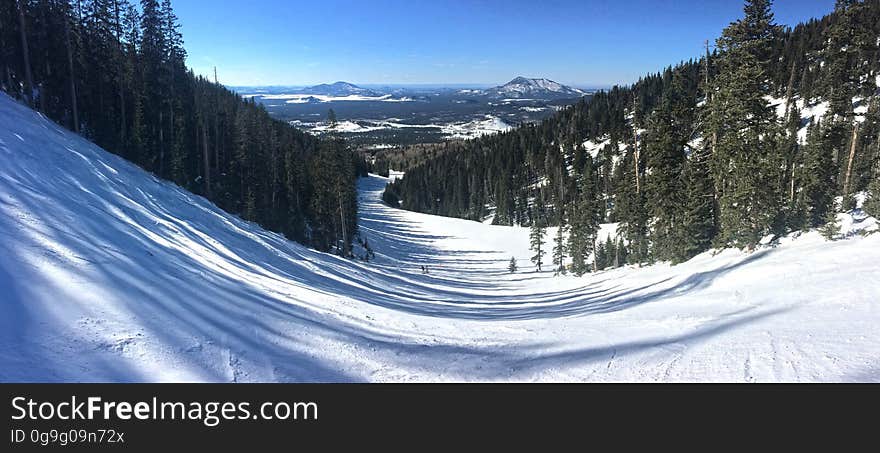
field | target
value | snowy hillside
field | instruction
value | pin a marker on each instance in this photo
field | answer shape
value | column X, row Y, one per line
column 108, row 274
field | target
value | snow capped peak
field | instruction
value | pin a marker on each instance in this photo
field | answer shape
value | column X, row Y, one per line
column 345, row 86
column 339, row 89
column 523, row 87
column 536, row 83
column 521, row 80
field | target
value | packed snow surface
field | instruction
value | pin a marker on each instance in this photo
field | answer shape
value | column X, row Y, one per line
column 109, row 274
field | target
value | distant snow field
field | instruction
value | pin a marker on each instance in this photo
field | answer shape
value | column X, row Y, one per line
column 477, row 128
column 489, row 124
column 109, row 274
column 306, row 98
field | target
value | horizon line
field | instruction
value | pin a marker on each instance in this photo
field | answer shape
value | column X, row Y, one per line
column 422, row 84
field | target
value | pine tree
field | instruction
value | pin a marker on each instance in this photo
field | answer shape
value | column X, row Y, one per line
column 175, row 54
column 67, row 14
column 584, row 219
column 850, row 41
column 872, row 200
column 698, row 210
column 746, row 155
column 601, row 257
column 559, row 247
column 155, row 87
column 331, row 119
column 611, row 257
column 791, row 152
column 133, row 148
column 831, row 229
column 815, row 181
column 630, row 211
column 512, row 265
column 560, row 250
column 536, row 242
column 25, row 51
column 178, row 164
column 664, row 149
column 621, row 257
column 839, row 55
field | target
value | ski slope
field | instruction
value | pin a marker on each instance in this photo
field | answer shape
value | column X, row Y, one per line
column 109, row 274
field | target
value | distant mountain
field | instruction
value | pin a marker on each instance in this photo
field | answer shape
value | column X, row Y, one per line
column 339, row 89
column 522, row 87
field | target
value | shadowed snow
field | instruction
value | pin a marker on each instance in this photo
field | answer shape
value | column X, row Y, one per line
column 109, row 274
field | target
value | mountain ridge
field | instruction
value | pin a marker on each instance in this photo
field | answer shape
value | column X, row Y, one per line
column 340, row 88
column 524, row 87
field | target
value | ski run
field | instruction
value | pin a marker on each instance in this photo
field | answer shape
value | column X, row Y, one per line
column 109, row 274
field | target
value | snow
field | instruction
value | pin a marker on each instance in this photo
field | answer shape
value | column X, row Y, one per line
column 380, row 146
column 856, row 222
column 345, row 127
column 808, row 113
column 109, row 274
column 524, row 85
column 476, row 128
column 594, row 148
column 394, row 175
column 486, row 125
column 306, row 98
column 860, row 109
column 521, row 87
column 607, row 230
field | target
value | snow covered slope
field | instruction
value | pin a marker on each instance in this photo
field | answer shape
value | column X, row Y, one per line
column 108, row 274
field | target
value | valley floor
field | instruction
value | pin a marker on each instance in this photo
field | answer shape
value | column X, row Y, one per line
column 108, row 274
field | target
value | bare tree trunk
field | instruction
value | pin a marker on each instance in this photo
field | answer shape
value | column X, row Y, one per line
column 29, row 76
column 636, row 156
column 122, row 121
column 595, row 249
column 789, row 90
column 561, row 225
column 342, row 225
column 161, row 146
column 713, row 143
column 171, row 108
column 70, row 70
column 852, row 155
column 46, row 59
column 216, row 122
column 716, row 202
column 616, row 256
column 207, row 159
column 8, row 78
column 707, row 66
column 274, row 163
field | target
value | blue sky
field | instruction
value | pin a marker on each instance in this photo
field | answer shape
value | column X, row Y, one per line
column 580, row 42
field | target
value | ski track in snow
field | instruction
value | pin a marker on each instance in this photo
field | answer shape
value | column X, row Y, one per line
column 108, row 274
